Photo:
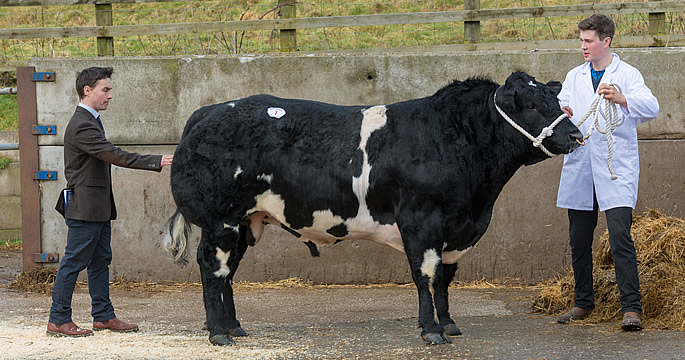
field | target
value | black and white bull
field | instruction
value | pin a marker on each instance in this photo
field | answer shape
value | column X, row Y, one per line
column 420, row 176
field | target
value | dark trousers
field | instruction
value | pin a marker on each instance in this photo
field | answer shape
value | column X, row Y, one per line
column 88, row 246
column 581, row 229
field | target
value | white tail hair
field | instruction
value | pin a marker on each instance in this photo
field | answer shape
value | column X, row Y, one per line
column 176, row 240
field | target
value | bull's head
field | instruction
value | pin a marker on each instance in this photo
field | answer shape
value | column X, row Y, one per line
column 533, row 109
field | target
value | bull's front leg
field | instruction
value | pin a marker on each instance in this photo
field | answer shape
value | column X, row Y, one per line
column 441, row 298
column 212, row 260
column 422, row 245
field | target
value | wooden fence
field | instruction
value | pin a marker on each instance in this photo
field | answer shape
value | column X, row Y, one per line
column 287, row 23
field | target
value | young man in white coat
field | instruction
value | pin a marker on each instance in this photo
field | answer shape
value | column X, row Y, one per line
column 586, row 185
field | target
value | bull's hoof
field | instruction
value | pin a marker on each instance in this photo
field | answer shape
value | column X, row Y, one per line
column 238, row 332
column 222, row 340
column 451, row 329
column 436, row 339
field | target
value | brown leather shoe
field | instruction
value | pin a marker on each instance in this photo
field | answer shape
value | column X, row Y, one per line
column 69, row 329
column 631, row 321
column 575, row 314
column 114, row 325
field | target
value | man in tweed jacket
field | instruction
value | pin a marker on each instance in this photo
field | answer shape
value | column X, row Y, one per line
column 88, row 157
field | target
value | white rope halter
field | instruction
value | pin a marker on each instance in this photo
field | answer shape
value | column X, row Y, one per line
column 537, row 141
column 609, row 111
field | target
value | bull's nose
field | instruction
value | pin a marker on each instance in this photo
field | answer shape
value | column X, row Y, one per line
column 576, row 139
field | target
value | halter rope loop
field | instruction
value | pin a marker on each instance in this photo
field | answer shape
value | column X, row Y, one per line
column 537, row 141
column 609, row 111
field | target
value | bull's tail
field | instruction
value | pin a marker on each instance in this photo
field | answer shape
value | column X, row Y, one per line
column 176, row 240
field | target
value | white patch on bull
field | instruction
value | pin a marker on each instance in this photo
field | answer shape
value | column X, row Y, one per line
column 271, row 203
column 374, row 119
column 223, row 263
column 238, row 171
column 231, row 104
column 325, row 219
column 430, row 263
column 235, row 228
column 268, row 178
column 275, row 112
column 531, row 83
column 451, row 257
column 362, row 226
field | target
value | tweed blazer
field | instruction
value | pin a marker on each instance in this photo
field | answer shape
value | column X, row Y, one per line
column 88, row 156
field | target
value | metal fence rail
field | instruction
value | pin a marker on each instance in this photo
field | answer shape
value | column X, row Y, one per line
column 9, row 146
column 8, row 91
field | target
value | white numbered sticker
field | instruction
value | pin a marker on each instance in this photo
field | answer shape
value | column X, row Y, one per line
column 275, row 112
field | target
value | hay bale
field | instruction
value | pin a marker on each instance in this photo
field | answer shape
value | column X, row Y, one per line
column 38, row 280
column 660, row 246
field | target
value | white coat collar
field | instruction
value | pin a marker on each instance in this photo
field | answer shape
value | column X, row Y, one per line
column 612, row 68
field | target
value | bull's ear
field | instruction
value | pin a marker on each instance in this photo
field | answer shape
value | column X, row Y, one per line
column 555, row 85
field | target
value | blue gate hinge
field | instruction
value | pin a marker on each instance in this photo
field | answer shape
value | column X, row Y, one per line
column 45, row 258
column 44, row 130
column 45, row 175
column 43, row 76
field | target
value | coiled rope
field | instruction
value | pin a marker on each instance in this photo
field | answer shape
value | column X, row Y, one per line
column 609, row 112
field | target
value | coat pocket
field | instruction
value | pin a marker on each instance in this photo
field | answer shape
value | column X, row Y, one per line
column 96, row 182
column 63, row 201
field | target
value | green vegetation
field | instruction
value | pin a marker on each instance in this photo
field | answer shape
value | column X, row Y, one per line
column 308, row 39
column 4, row 162
column 250, row 42
column 8, row 113
column 10, row 244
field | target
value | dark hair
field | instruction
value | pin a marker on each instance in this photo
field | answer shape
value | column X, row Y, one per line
column 90, row 76
column 602, row 24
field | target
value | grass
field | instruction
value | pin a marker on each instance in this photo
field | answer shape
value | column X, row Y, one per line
column 308, row 39
column 4, row 162
column 8, row 112
column 250, row 42
column 10, row 244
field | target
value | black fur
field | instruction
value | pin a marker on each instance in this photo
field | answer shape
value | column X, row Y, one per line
column 437, row 166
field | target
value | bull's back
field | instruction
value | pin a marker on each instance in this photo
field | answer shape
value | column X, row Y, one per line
column 303, row 150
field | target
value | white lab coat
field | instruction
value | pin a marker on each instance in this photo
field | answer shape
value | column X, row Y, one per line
column 587, row 165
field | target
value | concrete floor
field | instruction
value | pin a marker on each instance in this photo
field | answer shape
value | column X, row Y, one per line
column 331, row 323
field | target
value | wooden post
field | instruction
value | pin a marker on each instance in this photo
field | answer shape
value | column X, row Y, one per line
column 471, row 28
column 103, row 17
column 288, row 36
column 657, row 23
column 28, row 153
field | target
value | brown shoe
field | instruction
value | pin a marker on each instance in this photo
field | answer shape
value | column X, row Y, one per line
column 575, row 314
column 114, row 325
column 631, row 321
column 69, row 329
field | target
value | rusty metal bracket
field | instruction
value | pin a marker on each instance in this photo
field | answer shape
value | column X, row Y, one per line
column 45, row 175
column 43, row 76
column 45, row 258
column 44, row 130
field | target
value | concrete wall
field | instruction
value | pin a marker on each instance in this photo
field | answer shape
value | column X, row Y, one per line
column 153, row 97
column 10, row 191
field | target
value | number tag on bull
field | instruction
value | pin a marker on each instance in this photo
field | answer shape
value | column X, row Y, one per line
column 275, row 112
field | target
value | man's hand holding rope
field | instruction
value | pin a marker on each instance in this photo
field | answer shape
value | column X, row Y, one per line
column 612, row 94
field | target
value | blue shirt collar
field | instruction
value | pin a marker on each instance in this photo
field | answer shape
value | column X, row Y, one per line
column 90, row 110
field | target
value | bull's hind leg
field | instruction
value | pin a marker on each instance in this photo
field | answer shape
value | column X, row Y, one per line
column 229, row 305
column 213, row 255
column 441, row 297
